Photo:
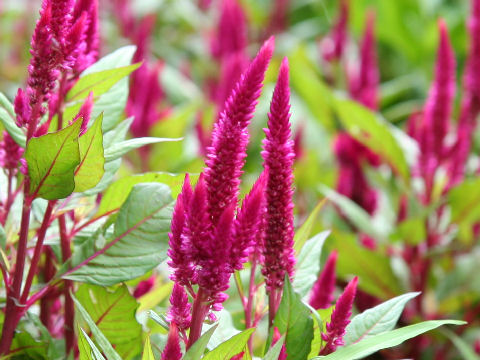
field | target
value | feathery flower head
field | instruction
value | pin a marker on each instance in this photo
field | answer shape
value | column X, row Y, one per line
column 232, row 67
column 247, row 223
column 323, row 290
column 472, row 71
column 22, row 108
column 89, row 53
column 340, row 319
column 226, row 155
column 61, row 19
column 438, row 108
column 10, row 153
column 333, row 46
column 172, row 349
column 179, row 262
column 278, row 155
column 231, row 34
column 179, row 312
column 364, row 87
column 74, row 44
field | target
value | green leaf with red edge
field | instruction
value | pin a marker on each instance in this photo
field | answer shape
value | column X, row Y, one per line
column 92, row 160
column 138, row 243
column 51, row 160
column 114, row 314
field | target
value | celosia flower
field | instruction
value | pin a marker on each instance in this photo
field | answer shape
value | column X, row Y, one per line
column 323, row 290
column 231, row 36
column 364, row 86
column 232, row 67
column 172, row 349
column 22, row 108
column 247, row 223
column 144, row 287
column 438, row 108
column 10, row 153
column 89, row 53
column 333, row 46
column 278, row 158
column 472, row 78
column 179, row 312
column 278, row 16
column 61, row 19
column 340, row 319
column 226, row 155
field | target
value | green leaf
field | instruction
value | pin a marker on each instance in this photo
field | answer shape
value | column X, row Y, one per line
column 91, row 168
column 114, row 315
column 139, row 241
column 386, row 340
column 303, row 233
column 118, row 192
column 51, row 160
column 463, row 347
column 294, row 321
column 376, row 320
column 308, row 264
column 99, row 82
column 231, row 347
column 147, row 350
column 464, row 200
column 275, row 350
column 198, row 348
column 121, row 148
column 97, row 334
column 7, row 117
column 373, row 268
column 374, row 132
column 87, row 348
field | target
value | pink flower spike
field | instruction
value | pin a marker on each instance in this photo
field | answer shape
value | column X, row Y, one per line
column 10, row 153
column 340, row 319
column 226, row 155
column 92, row 38
column 74, row 44
column 61, row 19
column 179, row 312
column 438, row 108
column 22, row 108
column 278, row 155
column 472, row 72
column 179, row 262
column 144, row 287
column 323, row 290
column 172, row 350
column 334, row 44
column 247, row 224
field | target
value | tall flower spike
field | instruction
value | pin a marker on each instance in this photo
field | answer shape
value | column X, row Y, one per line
column 365, row 86
column 472, row 73
column 278, row 155
column 179, row 312
column 247, row 224
column 324, row 288
column 10, row 153
column 92, row 38
column 334, row 45
column 438, row 107
column 226, row 155
column 61, row 19
column 179, row 262
column 172, row 350
column 340, row 319
column 231, row 34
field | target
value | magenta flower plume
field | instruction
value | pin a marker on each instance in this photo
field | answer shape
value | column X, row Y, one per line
column 144, row 287
column 438, row 108
column 179, row 262
column 61, row 19
column 231, row 34
column 323, row 290
column 179, row 312
column 22, row 108
column 472, row 73
column 365, row 87
column 340, row 319
column 90, row 51
column 232, row 67
column 278, row 155
column 10, row 153
column 247, row 223
column 172, row 350
column 334, row 44
column 226, row 155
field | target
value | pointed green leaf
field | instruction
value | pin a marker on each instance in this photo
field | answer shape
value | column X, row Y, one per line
column 139, row 241
column 386, row 340
column 99, row 82
column 294, row 321
column 465, row 349
column 87, row 348
column 233, row 346
column 97, row 334
column 121, row 148
column 91, row 168
column 51, row 160
column 198, row 348
column 308, row 264
column 376, row 320
column 114, row 315
column 303, row 233
column 147, row 350
column 7, row 117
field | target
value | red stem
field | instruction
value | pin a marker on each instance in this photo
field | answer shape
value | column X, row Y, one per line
column 248, row 309
column 198, row 316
